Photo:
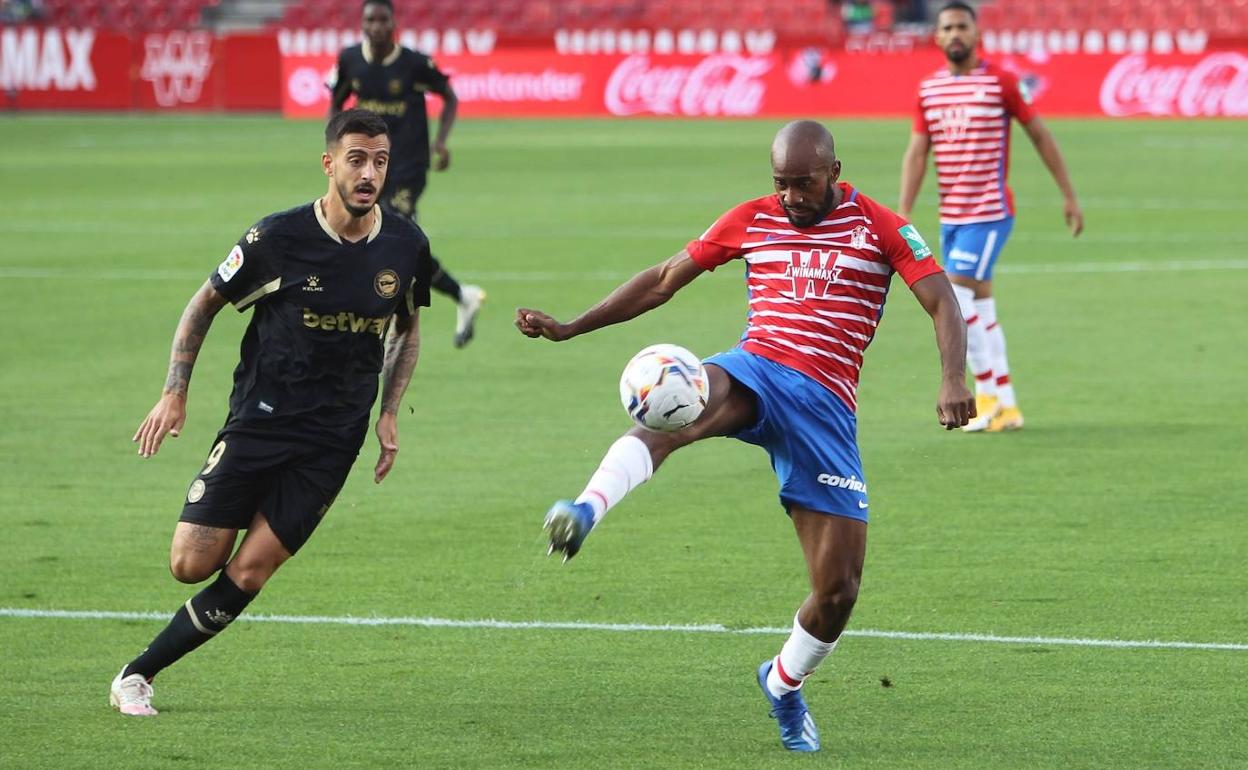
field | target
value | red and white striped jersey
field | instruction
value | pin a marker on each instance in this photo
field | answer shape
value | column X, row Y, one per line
column 968, row 119
column 816, row 293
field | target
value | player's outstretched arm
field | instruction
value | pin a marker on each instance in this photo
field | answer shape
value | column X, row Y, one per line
column 955, row 405
column 402, row 351
column 913, row 167
column 167, row 417
column 450, row 109
column 1046, row 147
column 639, row 294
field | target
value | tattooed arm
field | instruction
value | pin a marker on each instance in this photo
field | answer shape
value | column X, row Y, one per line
column 169, row 413
column 402, row 350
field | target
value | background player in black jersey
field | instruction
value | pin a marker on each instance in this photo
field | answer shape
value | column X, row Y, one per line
column 392, row 80
column 326, row 280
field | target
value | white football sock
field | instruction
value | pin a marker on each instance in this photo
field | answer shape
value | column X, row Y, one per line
column 626, row 466
column 798, row 659
column 986, row 309
column 977, row 358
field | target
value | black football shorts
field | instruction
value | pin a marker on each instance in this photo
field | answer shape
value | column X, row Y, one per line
column 291, row 484
column 402, row 192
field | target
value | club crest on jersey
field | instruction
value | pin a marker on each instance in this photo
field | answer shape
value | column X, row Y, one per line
column 386, row 283
column 858, row 238
column 812, row 272
column 231, row 265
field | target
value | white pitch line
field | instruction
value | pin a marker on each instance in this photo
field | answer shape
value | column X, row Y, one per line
column 708, row 628
column 538, row 276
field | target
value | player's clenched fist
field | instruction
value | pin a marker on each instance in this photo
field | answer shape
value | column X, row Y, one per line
column 535, row 323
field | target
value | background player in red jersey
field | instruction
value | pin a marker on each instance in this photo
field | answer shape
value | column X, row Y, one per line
column 820, row 256
column 964, row 115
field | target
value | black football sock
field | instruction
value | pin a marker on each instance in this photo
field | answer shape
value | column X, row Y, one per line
column 202, row 617
column 443, row 282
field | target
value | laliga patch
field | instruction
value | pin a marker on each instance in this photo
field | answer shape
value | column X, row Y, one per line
column 915, row 241
column 231, row 265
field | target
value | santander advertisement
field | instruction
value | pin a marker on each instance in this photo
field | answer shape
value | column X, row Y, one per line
column 800, row 83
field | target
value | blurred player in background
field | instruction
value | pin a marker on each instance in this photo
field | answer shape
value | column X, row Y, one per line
column 326, row 280
column 820, row 258
column 964, row 115
column 391, row 81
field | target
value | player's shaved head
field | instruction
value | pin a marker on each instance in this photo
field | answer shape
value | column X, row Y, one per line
column 804, row 169
column 804, row 144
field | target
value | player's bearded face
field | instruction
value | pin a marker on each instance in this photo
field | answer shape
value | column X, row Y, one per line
column 359, row 171
column 956, row 35
column 807, row 200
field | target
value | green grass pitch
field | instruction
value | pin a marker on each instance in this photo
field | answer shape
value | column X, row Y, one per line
column 1117, row 513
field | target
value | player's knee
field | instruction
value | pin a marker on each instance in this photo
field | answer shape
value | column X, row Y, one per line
column 186, row 568
column 250, row 574
column 836, row 597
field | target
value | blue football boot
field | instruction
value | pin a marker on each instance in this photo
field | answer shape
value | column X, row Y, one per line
column 567, row 525
column 797, row 729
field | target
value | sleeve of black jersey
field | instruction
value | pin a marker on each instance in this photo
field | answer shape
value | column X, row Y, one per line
column 251, row 270
column 428, row 76
column 422, row 279
column 339, row 81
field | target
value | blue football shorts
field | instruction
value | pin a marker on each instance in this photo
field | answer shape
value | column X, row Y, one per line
column 971, row 250
column 810, row 434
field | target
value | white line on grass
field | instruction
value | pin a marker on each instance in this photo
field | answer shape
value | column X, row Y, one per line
column 128, row 274
column 709, row 628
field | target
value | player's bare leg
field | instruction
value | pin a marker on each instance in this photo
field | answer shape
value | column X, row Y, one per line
column 834, row 547
column 197, row 552
column 633, row 458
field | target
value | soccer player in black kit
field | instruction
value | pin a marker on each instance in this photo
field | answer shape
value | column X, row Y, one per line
column 391, row 81
column 325, row 281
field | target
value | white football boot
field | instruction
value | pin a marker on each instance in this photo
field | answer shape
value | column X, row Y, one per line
column 470, row 300
column 132, row 695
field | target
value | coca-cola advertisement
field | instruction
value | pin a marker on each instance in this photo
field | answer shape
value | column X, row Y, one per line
column 806, row 82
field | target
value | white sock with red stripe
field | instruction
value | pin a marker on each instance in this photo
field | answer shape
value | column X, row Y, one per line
column 626, row 466
column 798, row 659
column 977, row 354
column 987, row 310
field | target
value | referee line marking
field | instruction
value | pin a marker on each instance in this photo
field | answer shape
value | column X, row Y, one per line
column 126, row 274
column 708, row 628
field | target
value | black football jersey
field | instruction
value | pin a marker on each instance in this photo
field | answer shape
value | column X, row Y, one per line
column 394, row 88
column 310, row 358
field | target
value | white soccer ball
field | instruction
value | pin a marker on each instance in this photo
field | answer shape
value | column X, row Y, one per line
column 664, row 388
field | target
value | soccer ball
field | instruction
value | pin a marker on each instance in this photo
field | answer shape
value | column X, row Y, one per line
column 664, row 388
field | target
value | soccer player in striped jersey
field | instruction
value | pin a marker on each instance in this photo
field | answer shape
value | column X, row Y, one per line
column 963, row 117
column 819, row 258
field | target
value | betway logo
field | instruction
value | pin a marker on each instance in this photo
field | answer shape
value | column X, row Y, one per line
column 812, row 273
column 34, row 59
column 344, row 322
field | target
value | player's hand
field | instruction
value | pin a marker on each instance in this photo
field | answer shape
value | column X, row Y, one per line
column 166, row 418
column 955, row 406
column 388, row 437
column 1074, row 216
column 535, row 323
column 441, row 156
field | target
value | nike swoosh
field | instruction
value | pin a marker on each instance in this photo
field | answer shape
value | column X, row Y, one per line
column 861, row 504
